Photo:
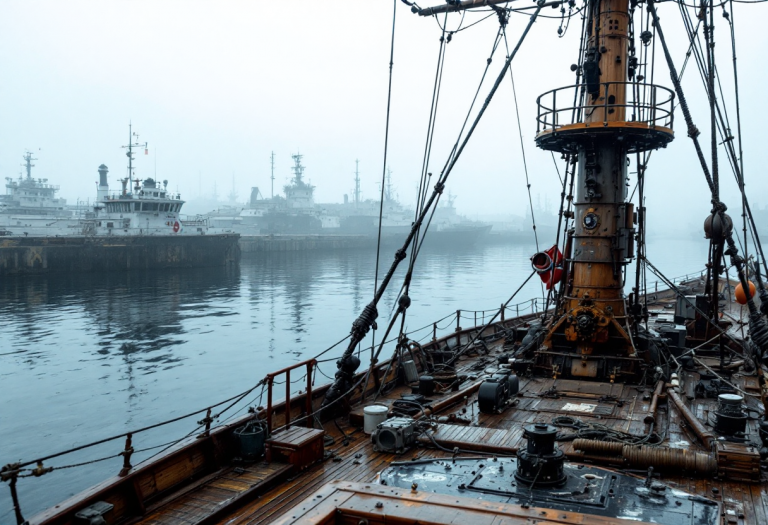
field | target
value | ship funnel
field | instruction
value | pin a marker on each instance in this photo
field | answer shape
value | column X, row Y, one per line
column 103, row 190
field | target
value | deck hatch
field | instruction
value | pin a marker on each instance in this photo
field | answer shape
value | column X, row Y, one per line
column 589, row 490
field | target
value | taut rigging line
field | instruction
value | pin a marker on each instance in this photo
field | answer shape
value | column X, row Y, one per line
column 347, row 363
column 735, row 161
column 386, row 145
column 757, row 324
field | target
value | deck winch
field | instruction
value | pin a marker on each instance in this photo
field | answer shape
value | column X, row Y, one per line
column 395, row 435
column 496, row 392
column 730, row 416
column 541, row 462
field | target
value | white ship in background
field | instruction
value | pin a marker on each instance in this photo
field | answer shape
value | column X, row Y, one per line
column 30, row 206
column 140, row 207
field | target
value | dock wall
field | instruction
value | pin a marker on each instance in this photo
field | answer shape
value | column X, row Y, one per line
column 252, row 244
column 31, row 255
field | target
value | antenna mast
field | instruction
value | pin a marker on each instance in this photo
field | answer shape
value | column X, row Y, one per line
column 28, row 163
column 129, row 153
column 298, row 169
column 357, row 183
column 272, row 162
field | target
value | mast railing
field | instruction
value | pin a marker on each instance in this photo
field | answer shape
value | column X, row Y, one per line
column 647, row 104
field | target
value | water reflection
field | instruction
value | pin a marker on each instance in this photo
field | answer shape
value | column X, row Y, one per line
column 137, row 316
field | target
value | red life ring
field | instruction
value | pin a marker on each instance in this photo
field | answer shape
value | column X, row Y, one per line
column 176, row 227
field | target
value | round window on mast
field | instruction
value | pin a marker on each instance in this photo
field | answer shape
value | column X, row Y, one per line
column 591, row 220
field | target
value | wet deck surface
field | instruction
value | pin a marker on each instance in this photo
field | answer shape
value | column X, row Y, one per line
column 207, row 497
column 262, row 493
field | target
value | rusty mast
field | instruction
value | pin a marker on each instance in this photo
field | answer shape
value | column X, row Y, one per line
column 590, row 337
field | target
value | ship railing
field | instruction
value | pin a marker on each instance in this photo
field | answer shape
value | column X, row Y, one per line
column 118, row 195
column 653, row 286
column 215, row 412
column 647, row 104
column 196, row 221
column 270, row 379
column 480, row 317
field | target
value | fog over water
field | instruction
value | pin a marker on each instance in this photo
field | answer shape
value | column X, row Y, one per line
column 215, row 87
column 88, row 356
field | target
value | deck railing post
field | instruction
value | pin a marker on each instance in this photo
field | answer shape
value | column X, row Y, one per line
column 309, row 365
column 309, row 394
column 434, row 331
column 554, row 110
column 207, row 420
column 502, row 312
column 127, row 456
column 270, row 380
column 288, row 398
column 15, row 498
column 458, row 320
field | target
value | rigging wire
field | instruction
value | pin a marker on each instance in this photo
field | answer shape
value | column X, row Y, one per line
column 522, row 150
column 367, row 318
column 725, row 136
column 386, row 143
column 403, row 299
column 729, row 17
column 424, row 178
column 384, row 167
column 420, row 236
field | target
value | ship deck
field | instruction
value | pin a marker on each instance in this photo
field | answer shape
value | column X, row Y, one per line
column 237, row 493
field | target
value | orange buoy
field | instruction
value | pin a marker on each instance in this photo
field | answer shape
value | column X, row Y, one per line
column 741, row 298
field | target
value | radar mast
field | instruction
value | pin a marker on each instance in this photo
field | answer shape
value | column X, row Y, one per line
column 133, row 142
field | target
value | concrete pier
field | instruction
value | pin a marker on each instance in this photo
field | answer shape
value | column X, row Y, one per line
column 36, row 255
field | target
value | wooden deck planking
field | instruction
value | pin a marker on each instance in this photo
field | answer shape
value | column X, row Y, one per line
column 759, row 500
column 198, row 504
column 278, row 499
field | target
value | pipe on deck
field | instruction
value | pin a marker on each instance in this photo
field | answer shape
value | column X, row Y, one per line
column 651, row 416
column 705, row 436
column 669, row 459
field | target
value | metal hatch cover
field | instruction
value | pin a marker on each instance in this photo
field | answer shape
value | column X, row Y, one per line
column 586, row 489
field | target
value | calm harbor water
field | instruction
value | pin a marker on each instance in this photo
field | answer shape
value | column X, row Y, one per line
column 84, row 357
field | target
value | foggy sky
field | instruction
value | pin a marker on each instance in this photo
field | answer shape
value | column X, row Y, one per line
column 214, row 87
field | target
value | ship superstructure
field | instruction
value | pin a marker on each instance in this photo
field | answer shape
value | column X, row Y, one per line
column 31, row 206
column 29, row 196
column 141, row 207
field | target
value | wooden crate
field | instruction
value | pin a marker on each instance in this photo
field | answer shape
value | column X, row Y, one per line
column 297, row 446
